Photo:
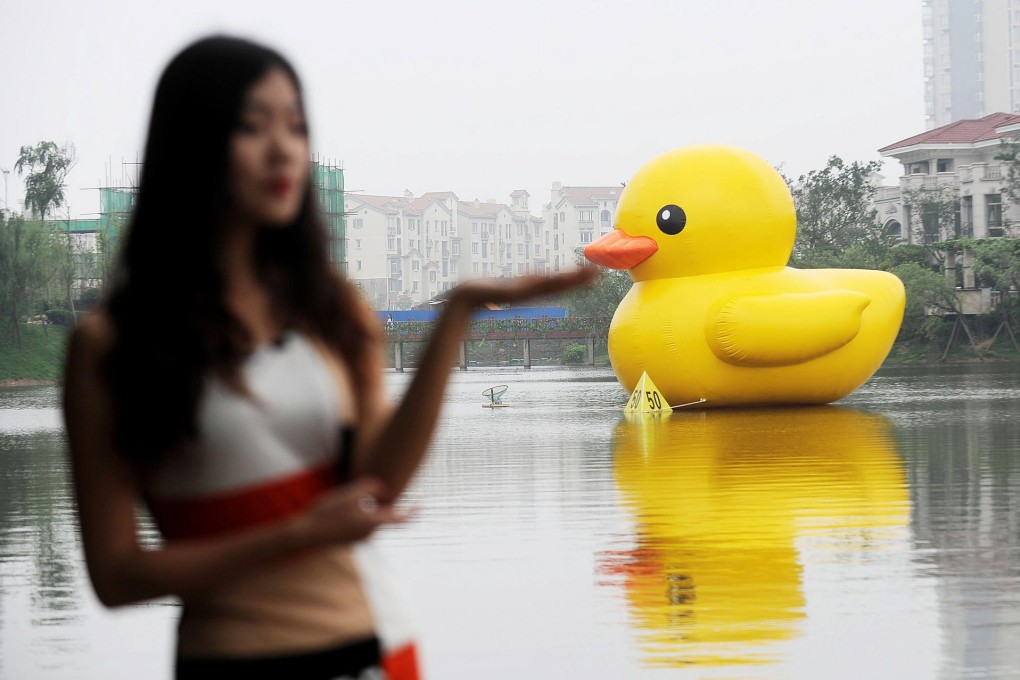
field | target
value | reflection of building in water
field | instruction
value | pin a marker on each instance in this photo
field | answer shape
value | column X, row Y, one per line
column 965, row 518
column 720, row 500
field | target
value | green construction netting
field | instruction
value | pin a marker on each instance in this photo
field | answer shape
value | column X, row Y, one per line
column 328, row 181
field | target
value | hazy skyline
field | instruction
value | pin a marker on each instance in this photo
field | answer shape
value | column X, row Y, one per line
column 480, row 98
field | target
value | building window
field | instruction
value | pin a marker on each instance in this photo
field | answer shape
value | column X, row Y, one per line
column 918, row 168
column 585, row 237
column 585, row 216
column 993, row 209
column 391, row 244
column 432, row 276
column 358, row 222
column 358, row 265
column 394, row 268
column 455, row 247
column 474, row 267
column 474, row 227
column 357, row 243
column 414, row 287
column 520, row 248
column 520, row 268
column 415, row 266
column 944, row 165
column 967, row 216
column 605, row 218
column 474, row 248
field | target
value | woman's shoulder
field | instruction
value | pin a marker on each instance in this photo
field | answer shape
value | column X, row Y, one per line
column 92, row 336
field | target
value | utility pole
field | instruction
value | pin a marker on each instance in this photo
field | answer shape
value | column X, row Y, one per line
column 6, row 206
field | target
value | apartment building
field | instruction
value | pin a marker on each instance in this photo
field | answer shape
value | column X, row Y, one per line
column 574, row 217
column 971, row 59
column 410, row 249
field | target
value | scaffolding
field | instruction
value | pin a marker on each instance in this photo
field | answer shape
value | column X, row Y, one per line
column 328, row 181
column 327, row 178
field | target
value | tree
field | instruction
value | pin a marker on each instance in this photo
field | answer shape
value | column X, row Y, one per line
column 927, row 291
column 47, row 166
column 1009, row 152
column 836, row 223
column 30, row 252
column 934, row 216
column 600, row 300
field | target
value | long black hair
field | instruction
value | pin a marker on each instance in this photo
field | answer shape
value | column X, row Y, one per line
column 171, row 327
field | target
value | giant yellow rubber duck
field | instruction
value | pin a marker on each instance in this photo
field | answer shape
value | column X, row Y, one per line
column 714, row 312
column 734, row 512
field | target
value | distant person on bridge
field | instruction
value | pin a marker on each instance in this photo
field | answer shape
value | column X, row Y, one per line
column 232, row 382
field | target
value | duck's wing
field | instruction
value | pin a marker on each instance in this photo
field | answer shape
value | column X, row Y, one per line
column 785, row 329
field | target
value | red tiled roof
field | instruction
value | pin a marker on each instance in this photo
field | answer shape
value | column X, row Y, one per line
column 481, row 209
column 439, row 195
column 960, row 132
column 589, row 195
column 386, row 203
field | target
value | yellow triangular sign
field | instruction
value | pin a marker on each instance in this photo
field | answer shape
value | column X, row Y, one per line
column 646, row 398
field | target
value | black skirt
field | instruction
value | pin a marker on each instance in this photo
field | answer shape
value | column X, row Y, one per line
column 353, row 661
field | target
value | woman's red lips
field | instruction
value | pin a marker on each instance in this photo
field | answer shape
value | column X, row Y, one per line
column 280, row 186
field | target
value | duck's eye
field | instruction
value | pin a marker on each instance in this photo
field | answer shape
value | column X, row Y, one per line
column 671, row 219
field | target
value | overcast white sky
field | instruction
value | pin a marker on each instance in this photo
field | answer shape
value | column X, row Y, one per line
column 482, row 98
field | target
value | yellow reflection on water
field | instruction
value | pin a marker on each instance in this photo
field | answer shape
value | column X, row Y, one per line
column 720, row 501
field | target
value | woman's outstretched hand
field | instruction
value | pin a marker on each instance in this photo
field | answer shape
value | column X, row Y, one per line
column 347, row 514
column 477, row 292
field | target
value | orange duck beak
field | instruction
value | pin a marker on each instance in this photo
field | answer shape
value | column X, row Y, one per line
column 618, row 250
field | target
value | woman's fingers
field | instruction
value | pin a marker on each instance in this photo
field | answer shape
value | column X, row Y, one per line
column 480, row 291
column 349, row 513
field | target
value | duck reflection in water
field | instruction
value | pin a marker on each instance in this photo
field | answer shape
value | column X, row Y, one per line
column 723, row 503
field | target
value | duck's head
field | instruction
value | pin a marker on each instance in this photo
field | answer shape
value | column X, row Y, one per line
column 700, row 210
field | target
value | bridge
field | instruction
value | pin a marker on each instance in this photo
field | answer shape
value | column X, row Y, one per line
column 518, row 330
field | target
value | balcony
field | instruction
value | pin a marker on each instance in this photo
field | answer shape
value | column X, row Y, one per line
column 911, row 182
column 992, row 172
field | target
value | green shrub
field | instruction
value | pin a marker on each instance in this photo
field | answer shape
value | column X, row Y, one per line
column 60, row 317
column 575, row 354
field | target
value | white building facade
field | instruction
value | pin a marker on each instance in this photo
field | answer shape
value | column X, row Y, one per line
column 407, row 250
column 575, row 217
column 957, row 162
column 961, row 159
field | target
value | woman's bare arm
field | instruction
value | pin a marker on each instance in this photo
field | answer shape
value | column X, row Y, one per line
column 121, row 570
column 396, row 439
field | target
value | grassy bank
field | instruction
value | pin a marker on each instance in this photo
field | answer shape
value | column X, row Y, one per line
column 40, row 359
column 960, row 352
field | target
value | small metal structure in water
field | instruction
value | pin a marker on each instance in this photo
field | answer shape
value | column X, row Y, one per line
column 495, row 395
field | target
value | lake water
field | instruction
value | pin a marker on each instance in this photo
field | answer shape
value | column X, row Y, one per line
column 877, row 538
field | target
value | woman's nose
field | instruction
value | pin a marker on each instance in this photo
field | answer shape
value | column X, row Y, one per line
column 284, row 144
